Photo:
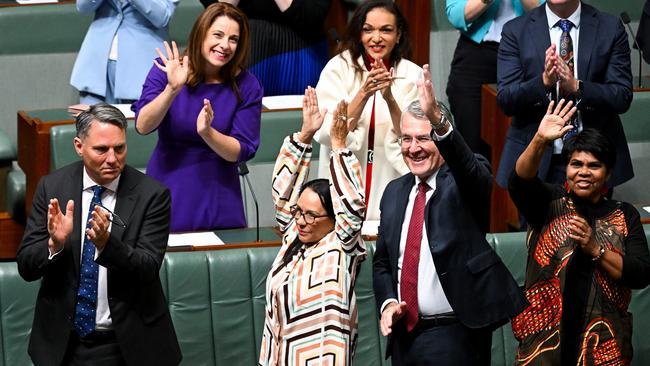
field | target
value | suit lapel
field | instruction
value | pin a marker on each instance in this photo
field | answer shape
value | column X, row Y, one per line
column 402, row 199
column 587, row 39
column 126, row 201
column 74, row 241
column 539, row 33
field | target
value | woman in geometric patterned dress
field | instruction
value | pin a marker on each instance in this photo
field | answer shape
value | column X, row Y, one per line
column 311, row 310
column 585, row 253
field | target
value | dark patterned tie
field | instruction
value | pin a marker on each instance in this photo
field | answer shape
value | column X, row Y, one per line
column 566, row 53
column 566, row 43
column 86, row 308
column 409, row 276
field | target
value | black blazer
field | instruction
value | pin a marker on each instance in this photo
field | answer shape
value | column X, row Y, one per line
column 133, row 256
column 603, row 66
column 477, row 284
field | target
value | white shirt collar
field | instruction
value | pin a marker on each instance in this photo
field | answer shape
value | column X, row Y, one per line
column 431, row 181
column 88, row 182
column 552, row 18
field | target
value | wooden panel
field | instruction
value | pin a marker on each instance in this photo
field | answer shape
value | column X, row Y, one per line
column 494, row 125
column 34, row 151
column 418, row 15
column 11, row 233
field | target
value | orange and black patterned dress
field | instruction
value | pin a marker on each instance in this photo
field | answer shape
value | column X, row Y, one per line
column 578, row 314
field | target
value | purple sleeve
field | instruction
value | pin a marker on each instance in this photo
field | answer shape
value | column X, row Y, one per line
column 153, row 85
column 246, row 125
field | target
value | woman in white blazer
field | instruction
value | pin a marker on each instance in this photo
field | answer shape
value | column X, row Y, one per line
column 372, row 73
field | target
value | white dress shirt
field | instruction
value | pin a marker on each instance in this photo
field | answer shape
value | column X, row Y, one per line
column 431, row 296
column 103, row 319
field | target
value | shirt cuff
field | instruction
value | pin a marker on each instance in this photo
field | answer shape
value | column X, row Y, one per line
column 386, row 303
column 51, row 256
column 437, row 137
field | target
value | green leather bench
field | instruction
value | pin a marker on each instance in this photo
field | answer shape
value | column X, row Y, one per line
column 7, row 156
column 216, row 299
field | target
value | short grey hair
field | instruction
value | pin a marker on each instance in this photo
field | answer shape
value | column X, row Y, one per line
column 415, row 108
column 101, row 112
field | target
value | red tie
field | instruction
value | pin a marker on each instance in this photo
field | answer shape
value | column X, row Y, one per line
column 409, row 277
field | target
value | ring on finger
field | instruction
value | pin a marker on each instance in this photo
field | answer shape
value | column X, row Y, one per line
column 374, row 81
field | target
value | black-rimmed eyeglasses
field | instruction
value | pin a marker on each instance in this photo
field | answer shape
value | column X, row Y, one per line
column 405, row 140
column 114, row 218
column 309, row 217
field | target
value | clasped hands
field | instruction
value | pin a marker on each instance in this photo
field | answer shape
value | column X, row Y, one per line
column 580, row 231
column 59, row 226
column 379, row 78
column 556, row 69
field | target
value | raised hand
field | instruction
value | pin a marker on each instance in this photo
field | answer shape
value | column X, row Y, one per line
column 549, row 76
column 59, row 226
column 427, row 96
column 556, row 121
column 341, row 126
column 567, row 79
column 177, row 69
column 97, row 231
column 204, row 119
column 312, row 116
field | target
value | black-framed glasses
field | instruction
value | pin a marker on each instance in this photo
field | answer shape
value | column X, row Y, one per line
column 309, row 217
column 114, row 218
column 406, row 140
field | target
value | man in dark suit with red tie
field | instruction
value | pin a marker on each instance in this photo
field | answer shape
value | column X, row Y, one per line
column 96, row 238
column 439, row 287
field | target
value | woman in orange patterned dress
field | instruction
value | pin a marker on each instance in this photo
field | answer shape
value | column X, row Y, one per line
column 311, row 309
column 585, row 253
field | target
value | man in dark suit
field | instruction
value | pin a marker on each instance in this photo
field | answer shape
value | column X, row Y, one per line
column 439, row 287
column 564, row 49
column 100, row 301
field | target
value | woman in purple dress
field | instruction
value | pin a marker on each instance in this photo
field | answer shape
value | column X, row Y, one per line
column 206, row 109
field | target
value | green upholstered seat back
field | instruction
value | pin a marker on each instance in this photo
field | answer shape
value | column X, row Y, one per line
column 216, row 299
column 637, row 119
column 62, row 150
column 275, row 126
column 217, row 303
column 17, row 299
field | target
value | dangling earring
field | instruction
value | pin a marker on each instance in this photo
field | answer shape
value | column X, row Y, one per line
column 566, row 186
column 604, row 191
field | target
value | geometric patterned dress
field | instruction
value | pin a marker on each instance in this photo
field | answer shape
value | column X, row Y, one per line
column 578, row 314
column 311, row 309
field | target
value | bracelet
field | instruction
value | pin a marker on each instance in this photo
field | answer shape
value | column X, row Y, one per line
column 600, row 253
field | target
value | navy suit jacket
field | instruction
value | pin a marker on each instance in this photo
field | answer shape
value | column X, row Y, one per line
column 603, row 66
column 133, row 256
column 477, row 284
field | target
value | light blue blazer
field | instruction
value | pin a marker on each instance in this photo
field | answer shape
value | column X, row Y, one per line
column 477, row 29
column 141, row 26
